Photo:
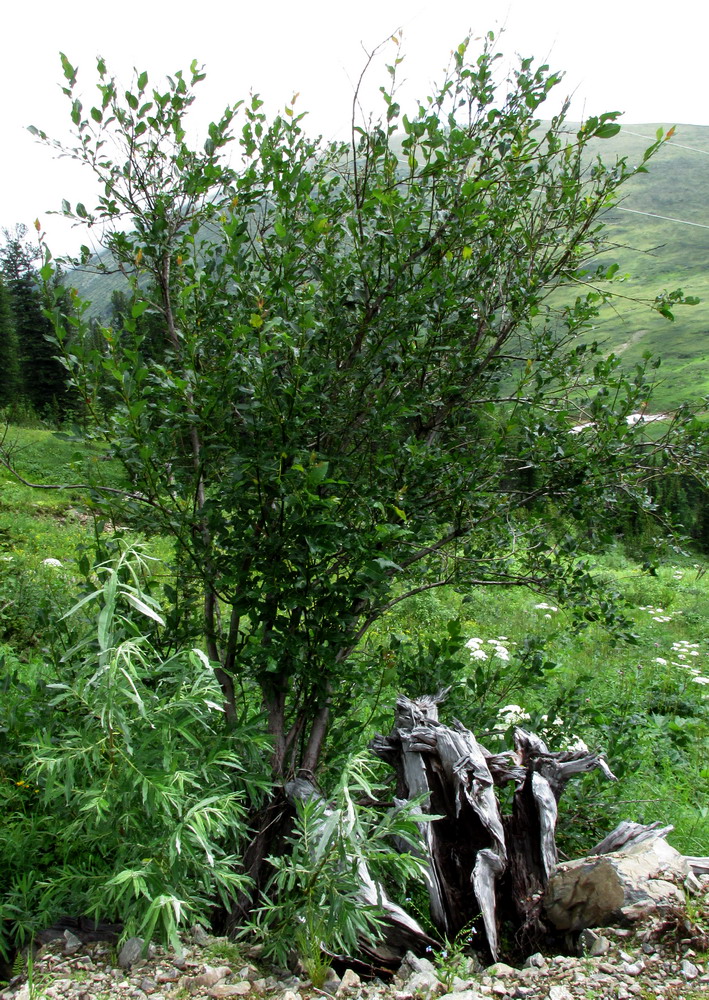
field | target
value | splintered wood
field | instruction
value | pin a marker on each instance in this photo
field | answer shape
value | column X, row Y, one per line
column 483, row 866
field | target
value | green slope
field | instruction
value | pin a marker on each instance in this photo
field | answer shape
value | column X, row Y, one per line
column 663, row 253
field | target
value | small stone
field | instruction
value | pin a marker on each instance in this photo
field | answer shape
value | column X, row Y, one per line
column 259, row 986
column 199, row 935
column 179, row 961
column 210, row 977
column 688, row 969
column 168, row 976
column 230, row 989
column 535, row 961
column 425, row 984
column 290, row 995
column 468, row 994
column 351, row 981
column 412, row 963
column 148, row 985
column 632, row 968
column 501, row 971
column 560, row 993
column 130, row 952
column 498, row 988
column 460, row 985
column 71, row 943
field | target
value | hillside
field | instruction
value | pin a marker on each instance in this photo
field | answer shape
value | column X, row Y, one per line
column 658, row 253
column 660, row 233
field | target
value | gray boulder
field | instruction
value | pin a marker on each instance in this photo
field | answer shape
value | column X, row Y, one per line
column 622, row 887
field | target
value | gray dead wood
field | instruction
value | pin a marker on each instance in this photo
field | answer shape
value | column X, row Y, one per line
column 481, row 865
column 627, row 834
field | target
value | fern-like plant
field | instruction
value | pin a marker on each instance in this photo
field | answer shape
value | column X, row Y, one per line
column 146, row 787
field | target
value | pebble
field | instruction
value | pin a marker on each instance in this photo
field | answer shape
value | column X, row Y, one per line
column 689, row 969
column 629, row 969
column 130, row 952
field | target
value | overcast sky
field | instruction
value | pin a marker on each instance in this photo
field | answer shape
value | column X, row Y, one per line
column 636, row 56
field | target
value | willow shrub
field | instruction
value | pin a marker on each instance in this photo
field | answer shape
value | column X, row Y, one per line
column 137, row 796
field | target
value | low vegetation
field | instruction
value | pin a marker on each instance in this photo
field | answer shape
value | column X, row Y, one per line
column 121, row 799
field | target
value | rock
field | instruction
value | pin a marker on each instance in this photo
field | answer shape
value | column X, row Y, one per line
column 464, row 995
column 71, row 943
column 290, row 995
column 148, row 985
column 500, row 971
column 199, row 935
column 332, row 981
column 411, row 963
column 625, row 886
column 210, row 977
column 424, row 984
column 351, row 981
column 632, row 969
column 560, row 993
column 230, row 989
column 688, row 969
column 593, row 944
column 535, row 961
column 130, row 952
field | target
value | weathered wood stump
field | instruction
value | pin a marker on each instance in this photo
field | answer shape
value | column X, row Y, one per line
column 481, row 865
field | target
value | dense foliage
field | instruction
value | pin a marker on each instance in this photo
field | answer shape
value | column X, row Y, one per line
column 361, row 391
column 338, row 381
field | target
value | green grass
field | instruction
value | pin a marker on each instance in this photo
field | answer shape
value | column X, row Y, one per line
column 651, row 718
column 38, row 524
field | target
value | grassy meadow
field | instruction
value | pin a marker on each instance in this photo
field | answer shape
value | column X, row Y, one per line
column 646, row 705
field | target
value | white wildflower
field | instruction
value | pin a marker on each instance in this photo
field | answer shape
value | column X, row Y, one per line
column 51, row 562
column 661, row 660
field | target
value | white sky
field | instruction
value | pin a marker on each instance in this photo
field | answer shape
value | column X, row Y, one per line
column 641, row 57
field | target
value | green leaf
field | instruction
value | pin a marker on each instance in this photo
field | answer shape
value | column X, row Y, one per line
column 144, row 609
column 68, row 69
column 608, row 130
column 138, row 308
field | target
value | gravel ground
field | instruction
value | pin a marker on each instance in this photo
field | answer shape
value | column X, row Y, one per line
column 653, row 965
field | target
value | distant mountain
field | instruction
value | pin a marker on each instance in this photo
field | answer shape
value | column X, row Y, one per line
column 661, row 228
column 661, row 232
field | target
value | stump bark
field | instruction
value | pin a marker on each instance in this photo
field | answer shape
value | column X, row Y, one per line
column 482, row 866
